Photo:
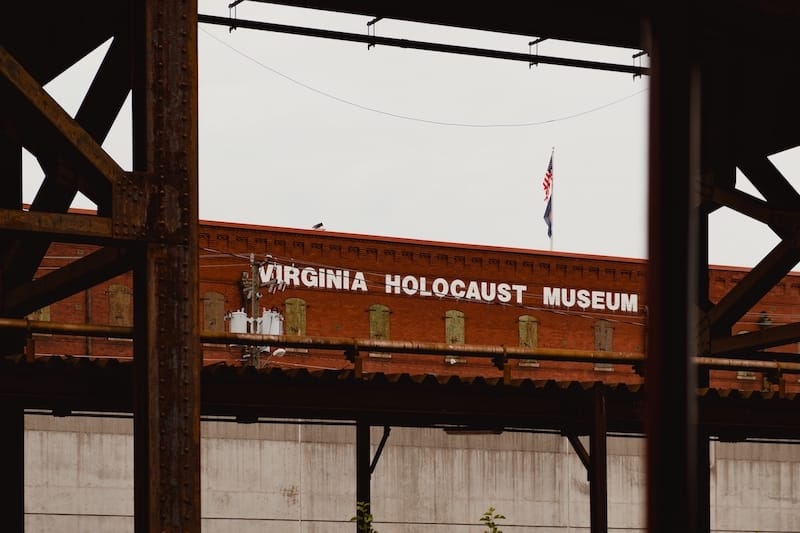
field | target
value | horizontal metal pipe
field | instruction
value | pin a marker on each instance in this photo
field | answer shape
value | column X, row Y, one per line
column 352, row 345
column 347, row 344
column 721, row 363
column 420, row 45
column 65, row 328
column 430, row 348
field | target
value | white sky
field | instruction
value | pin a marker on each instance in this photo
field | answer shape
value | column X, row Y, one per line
column 278, row 152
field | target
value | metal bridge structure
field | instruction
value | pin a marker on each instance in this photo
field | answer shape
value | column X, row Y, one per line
column 724, row 80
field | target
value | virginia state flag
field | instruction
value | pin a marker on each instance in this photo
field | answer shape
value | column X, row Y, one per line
column 547, row 184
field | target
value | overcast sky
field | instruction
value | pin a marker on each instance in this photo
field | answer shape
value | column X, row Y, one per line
column 298, row 130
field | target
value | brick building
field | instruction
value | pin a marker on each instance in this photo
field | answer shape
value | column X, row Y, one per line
column 326, row 284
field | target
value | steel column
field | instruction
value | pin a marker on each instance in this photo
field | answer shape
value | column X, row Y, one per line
column 166, row 348
column 703, row 483
column 10, row 198
column 10, row 165
column 671, row 410
column 12, row 451
column 363, row 461
column 598, row 468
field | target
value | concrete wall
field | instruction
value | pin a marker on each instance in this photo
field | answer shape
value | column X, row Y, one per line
column 289, row 478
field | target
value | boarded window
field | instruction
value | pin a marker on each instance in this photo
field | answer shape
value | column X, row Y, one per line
column 603, row 342
column 454, row 327
column 295, row 316
column 378, row 321
column 120, row 305
column 748, row 375
column 42, row 314
column 213, row 312
column 528, row 331
column 528, row 337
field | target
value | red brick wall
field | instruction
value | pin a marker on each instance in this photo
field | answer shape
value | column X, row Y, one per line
column 225, row 250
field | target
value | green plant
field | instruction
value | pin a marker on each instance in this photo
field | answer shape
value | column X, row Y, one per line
column 363, row 518
column 489, row 520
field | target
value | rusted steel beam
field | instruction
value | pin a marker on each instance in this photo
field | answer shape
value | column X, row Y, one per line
column 703, row 482
column 70, row 279
column 781, row 212
column 363, row 474
column 580, row 451
column 106, row 386
column 65, row 227
column 598, row 461
column 12, row 462
column 50, row 37
column 755, row 284
column 672, row 284
column 617, row 24
column 96, row 114
column 132, row 195
column 385, row 437
column 773, row 186
column 531, row 59
column 700, row 266
column 167, row 420
column 54, row 136
column 782, row 222
column 10, row 164
column 756, row 340
column 98, row 110
column 167, row 350
column 10, row 198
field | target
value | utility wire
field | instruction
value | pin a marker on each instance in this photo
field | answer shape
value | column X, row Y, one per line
column 413, row 118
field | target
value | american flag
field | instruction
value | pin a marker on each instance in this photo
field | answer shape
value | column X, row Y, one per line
column 547, row 183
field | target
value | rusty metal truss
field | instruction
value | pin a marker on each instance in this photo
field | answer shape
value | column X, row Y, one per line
column 724, row 84
column 146, row 218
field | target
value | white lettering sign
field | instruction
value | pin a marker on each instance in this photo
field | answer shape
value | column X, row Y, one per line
column 478, row 291
column 314, row 278
column 469, row 290
column 585, row 299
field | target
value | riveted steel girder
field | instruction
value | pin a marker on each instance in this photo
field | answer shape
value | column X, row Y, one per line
column 166, row 346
